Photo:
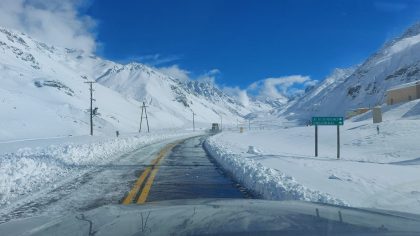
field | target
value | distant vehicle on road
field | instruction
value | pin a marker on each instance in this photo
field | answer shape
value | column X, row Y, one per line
column 215, row 128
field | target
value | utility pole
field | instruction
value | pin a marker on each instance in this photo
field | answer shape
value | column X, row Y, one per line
column 193, row 122
column 91, row 105
column 221, row 122
column 316, row 140
column 143, row 109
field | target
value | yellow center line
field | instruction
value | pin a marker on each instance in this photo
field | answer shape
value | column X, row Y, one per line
column 151, row 172
column 147, row 186
column 149, row 183
column 136, row 188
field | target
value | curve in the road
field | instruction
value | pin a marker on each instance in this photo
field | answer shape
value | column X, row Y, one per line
column 186, row 171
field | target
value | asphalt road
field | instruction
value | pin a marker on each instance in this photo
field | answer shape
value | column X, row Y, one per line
column 87, row 188
column 188, row 172
column 174, row 169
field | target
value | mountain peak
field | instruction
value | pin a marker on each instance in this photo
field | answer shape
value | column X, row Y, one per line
column 411, row 31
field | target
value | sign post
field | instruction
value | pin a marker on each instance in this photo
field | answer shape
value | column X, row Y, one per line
column 338, row 142
column 316, row 140
column 322, row 120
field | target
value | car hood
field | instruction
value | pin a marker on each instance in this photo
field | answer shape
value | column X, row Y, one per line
column 220, row 217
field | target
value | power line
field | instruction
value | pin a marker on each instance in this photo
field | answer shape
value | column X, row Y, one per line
column 193, row 121
column 143, row 110
column 91, row 104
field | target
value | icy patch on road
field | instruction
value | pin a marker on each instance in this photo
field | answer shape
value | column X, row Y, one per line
column 270, row 183
column 30, row 169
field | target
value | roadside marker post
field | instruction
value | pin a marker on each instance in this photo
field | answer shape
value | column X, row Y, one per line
column 331, row 121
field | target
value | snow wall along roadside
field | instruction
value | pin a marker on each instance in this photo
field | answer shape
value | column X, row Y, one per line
column 30, row 169
column 267, row 182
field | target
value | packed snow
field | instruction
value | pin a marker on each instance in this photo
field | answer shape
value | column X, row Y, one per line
column 375, row 170
column 28, row 169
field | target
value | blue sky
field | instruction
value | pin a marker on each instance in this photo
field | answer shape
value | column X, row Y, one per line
column 248, row 40
column 277, row 46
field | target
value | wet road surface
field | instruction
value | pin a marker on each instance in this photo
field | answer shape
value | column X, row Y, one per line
column 89, row 187
column 171, row 170
column 188, row 172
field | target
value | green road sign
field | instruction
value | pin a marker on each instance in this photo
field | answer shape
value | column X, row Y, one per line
column 323, row 120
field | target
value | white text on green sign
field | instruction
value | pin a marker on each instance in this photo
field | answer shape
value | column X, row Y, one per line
column 325, row 120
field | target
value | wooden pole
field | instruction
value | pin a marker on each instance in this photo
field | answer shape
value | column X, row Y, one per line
column 91, row 109
column 91, row 105
column 316, row 140
column 141, row 118
column 193, row 122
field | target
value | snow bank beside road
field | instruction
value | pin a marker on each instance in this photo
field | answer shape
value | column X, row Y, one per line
column 375, row 170
column 270, row 183
column 29, row 169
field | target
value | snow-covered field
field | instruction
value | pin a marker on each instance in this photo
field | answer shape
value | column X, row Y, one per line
column 44, row 162
column 375, row 170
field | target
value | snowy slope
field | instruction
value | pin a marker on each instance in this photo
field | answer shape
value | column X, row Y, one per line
column 313, row 99
column 173, row 100
column 43, row 94
column 397, row 62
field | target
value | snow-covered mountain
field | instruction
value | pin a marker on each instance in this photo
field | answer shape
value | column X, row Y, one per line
column 167, row 96
column 314, row 96
column 397, row 62
column 43, row 93
column 43, row 90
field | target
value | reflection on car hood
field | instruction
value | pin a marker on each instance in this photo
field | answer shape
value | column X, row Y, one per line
column 220, row 217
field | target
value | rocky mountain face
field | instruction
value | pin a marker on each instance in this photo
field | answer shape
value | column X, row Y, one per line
column 397, row 62
column 49, row 83
column 177, row 98
column 43, row 91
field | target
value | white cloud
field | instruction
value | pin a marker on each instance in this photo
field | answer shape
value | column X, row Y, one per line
column 54, row 22
column 280, row 87
column 311, row 83
column 154, row 59
column 209, row 76
column 239, row 94
column 213, row 72
column 176, row 72
column 184, row 75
